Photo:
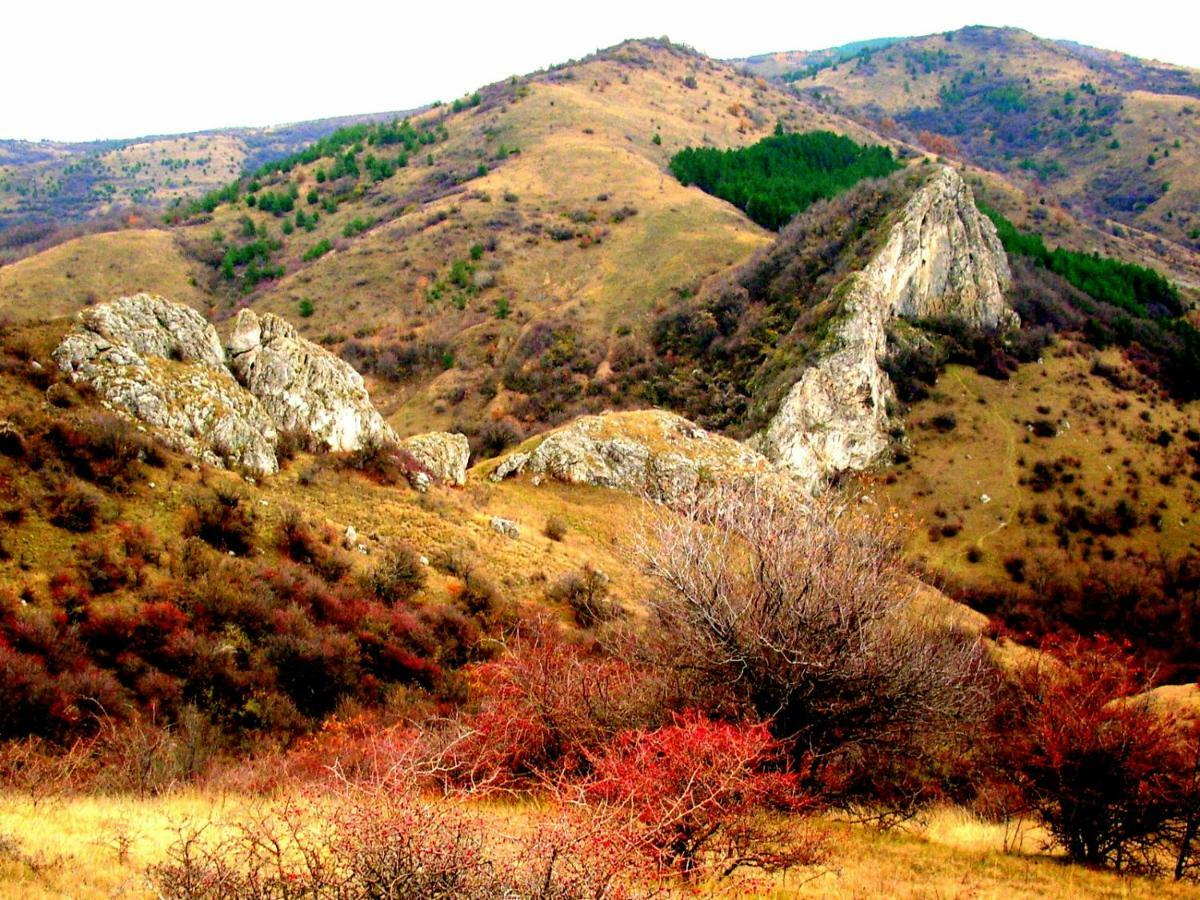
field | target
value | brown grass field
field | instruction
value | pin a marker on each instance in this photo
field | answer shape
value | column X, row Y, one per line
column 100, row 847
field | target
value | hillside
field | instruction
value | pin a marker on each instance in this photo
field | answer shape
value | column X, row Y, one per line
column 644, row 472
column 1116, row 139
column 558, row 181
column 48, row 185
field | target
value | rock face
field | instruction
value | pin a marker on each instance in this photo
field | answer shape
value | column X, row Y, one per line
column 162, row 364
column 304, row 388
column 942, row 259
column 154, row 326
column 648, row 450
column 445, row 455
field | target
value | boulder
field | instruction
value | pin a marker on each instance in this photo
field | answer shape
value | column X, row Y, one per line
column 645, row 451
column 304, row 388
column 505, row 527
column 153, row 326
column 443, row 454
column 161, row 364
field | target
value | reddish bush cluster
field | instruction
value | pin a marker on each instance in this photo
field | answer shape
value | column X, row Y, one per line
column 272, row 647
column 1146, row 599
column 698, row 790
column 1112, row 775
column 543, row 710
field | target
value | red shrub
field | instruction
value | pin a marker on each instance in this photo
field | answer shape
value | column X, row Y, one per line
column 1100, row 765
column 698, row 789
column 545, row 707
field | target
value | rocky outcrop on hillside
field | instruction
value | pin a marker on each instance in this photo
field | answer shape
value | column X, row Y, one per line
column 161, row 363
column 644, row 451
column 444, row 455
column 941, row 259
column 304, row 388
column 150, row 325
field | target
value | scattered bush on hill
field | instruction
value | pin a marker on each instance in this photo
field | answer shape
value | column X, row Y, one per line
column 223, row 519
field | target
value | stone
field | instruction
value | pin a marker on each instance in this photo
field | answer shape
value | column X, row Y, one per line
column 505, row 527
column 646, row 451
column 513, row 464
column 160, row 363
column 941, row 259
column 304, row 388
column 443, row 454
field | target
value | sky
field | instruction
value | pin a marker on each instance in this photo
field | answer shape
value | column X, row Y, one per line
column 126, row 68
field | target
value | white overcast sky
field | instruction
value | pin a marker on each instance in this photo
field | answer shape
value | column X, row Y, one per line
column 124, row 68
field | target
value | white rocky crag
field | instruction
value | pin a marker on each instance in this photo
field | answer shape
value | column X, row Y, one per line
column 942, row 259
column 305, row 389
column 162, row 364
column 649, row 451
column 444, row 454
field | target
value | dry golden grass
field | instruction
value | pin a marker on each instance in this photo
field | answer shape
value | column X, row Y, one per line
column 98, row 268
column 100, row 847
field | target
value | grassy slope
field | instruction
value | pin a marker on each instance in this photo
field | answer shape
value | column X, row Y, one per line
column 96, row 268
column 1148, row 121
column 583, row 132
column 991, row 450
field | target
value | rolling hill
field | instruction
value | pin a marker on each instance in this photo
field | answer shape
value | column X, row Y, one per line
column 633, row 276
column 1114, row 138
column 505, row 262
column 46, row 186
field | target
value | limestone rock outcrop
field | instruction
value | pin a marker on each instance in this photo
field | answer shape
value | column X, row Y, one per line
column 161, row 363
column 305, row 389
column 941, row 259
column 649, row 451
column 445, row 455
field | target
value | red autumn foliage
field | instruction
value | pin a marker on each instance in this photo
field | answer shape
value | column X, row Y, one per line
column 544, row 709
column 1110, row 773
column 698, row 789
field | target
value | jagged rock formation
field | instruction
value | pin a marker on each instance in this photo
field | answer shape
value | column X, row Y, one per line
column 941, row 259
column 305, row 389
column 161, row 363
column 443, row 454
column 649, row 450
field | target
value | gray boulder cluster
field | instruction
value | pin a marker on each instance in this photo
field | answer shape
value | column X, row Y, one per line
column 646, row 451
column 162, row 364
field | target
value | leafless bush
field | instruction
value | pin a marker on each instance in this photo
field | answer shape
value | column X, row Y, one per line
column 381, row 839
column 805, row 611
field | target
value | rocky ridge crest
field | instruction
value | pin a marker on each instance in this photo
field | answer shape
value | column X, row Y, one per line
column 941, row 259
